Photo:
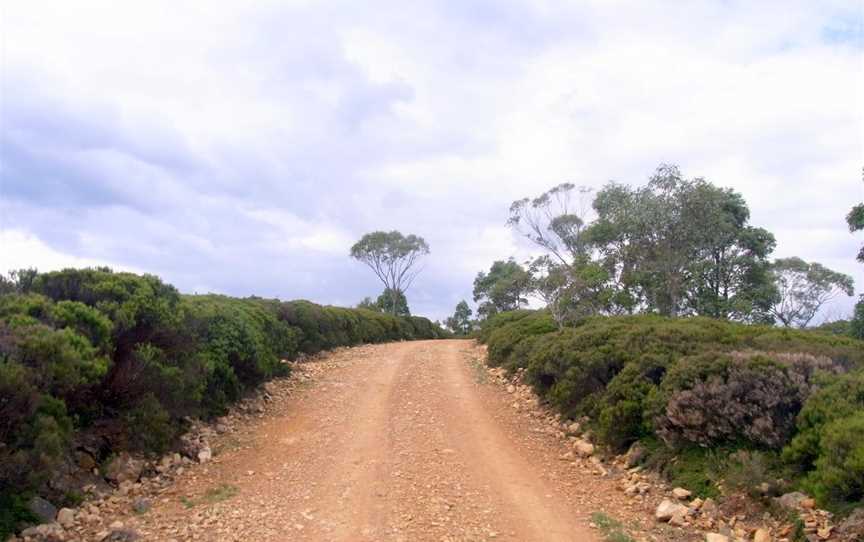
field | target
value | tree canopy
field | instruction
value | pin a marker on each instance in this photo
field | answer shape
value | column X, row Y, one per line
column 803, row 288
column 460, row 322
column 503, row 288
column 393, row 257
column 683, row 246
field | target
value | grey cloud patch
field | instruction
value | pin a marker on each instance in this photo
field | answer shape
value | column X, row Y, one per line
column 250, row 165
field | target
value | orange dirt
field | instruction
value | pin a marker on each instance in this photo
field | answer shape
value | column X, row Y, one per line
column 401, row 441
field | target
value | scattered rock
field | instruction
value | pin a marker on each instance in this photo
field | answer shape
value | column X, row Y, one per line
column 141, row 505
column 42, row 509
column 634, row 455
column 583, row 447
column 122, row 535
column 681, row 494
column 709, row 508
column 716, row 537
column 205, row 454
column 669, row 510
column 761, row 535
column 66, row 517
column 46, row 531
column 853, row 525
column 123, row 468
column 84, row 460
column 792, row 500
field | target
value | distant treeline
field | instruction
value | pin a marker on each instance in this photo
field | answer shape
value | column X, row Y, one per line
column 128, row 357
column 710, row 403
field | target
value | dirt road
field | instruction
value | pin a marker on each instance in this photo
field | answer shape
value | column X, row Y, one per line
column 401, row 441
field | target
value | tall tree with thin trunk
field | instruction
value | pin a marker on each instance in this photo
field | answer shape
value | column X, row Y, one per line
column 393, row 258
column 803, row 288
column 855, row 219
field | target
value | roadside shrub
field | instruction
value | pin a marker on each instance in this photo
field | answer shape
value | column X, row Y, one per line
column 505, row 340
column 151, row 428
column 127, row 358
column 323, row 328
column 839, row 397
column 620, row 413
column 694, row 391
column 839, row 471
column 715, row 398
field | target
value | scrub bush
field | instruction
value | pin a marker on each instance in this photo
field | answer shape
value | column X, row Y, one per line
column 129, row 357
column 695, row 391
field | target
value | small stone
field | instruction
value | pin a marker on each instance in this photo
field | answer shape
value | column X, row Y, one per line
column 716, row 537
column 141, row 505
column 583, row 447
column 681, row 494
column 42, row 509
column 123, row 468
column 511, row 388
column 205, row 454
column 66, row 517
column 761, row 535
column 709, row 508
column 669, row 509
column 122, row 535
column 116, row 526
column 792, row 500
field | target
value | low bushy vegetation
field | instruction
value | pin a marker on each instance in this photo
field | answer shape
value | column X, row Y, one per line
column 698, row 391
column 127, row 357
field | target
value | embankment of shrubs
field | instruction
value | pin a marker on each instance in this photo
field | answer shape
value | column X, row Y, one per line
column 97, row 361
column 713, row 402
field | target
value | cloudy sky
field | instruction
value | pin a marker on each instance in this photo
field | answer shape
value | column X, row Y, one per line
column 242, row 147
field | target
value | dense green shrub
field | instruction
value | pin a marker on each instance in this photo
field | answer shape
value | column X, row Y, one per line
column 838, row 477
column 840, row 397
column 128, row 356
column 508, row 331
column 696, row 390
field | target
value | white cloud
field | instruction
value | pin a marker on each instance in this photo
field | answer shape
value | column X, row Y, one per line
column 23, row 250
column 195, row 138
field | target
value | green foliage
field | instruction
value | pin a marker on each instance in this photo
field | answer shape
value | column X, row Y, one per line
column 692, row 467
column 128, row 357
column 803, row 288
column 505, row 332
column 838, row 398
column 856, row 325
column 14, row 512
column 502, row 289
column 612, row 529
column 150, row 425
column 693, row 390
column 682, row 246
column 392, row 257
column 855, row 219
column 460, row 323
column 838, row 477
column 393, row 302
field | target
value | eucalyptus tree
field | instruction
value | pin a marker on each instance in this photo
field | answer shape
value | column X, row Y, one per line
column 803, row 289
column 682, row 246
column 460, row 322
column 393, row 302
column 503, row 288
column 566, row 277
column 855, row 219
column 394, row 259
